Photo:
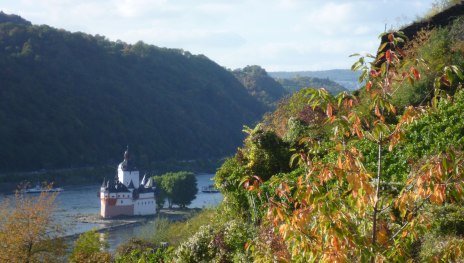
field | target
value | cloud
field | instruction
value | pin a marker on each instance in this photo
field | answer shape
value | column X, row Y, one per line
column 277, row 34
column 215, row 8
column 134, row 8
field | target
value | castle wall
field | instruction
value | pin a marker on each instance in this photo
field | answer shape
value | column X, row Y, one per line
column 145, row 206
column 110, row 208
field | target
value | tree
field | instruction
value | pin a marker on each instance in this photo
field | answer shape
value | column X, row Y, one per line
column 185, row 189
column 90, row 248
column 27, row 230
column 160, row 193
column 180, row 188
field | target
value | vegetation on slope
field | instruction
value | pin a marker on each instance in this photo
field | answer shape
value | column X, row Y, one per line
column 349, row 178
column 260, row 85
column 74, row 100
column 367, row 179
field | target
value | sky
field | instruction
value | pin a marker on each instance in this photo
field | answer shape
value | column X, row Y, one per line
column 279, row 35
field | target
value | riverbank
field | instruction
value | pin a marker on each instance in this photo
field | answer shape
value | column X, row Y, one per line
column 120, row 230
column 108, row 225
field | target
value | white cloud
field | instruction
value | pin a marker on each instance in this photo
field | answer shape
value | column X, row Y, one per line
column 276, row 34
column 134, row 8
column 215, row 8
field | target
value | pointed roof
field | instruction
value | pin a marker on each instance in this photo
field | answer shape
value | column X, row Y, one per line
column 127, row 164
column 104, row 182
column 131, row 185
column 144, row 179
column 149, row 183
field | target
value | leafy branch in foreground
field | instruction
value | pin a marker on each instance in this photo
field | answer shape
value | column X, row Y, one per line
column 339, row 210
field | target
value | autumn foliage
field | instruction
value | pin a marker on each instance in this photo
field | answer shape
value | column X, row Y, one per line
column 338, row 210
column 27, row 230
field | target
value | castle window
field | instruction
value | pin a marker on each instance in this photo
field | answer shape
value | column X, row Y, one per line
column 121, row 201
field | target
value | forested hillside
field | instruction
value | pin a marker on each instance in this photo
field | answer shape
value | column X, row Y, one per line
column 73, row 99
column 270, row 91
column 260, row 85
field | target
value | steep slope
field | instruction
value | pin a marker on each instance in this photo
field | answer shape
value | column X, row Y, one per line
column 72, row 100
column 260, row 85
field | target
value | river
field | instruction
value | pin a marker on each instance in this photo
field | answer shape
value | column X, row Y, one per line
column 78, row 208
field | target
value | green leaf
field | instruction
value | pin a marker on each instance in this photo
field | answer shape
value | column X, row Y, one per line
column 383, row 46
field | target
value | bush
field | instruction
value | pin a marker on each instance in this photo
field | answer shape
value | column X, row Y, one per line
column 90, row 248
column 214, row 243
column 198, row 247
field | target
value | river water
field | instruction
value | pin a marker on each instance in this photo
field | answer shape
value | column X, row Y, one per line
column 77, row 207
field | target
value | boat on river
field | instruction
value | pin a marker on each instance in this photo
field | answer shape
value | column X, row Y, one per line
column 40, row 189
column 209, row 189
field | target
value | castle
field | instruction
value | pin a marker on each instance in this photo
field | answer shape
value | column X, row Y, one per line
column 126, row 195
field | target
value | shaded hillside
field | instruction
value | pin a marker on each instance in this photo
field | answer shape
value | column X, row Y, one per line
column 72, row 100
column 260, row 85
column 344, row 77
column 441, row 19
column 295, row 84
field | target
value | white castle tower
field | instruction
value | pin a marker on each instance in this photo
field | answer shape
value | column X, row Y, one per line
column 127, row 172
column 126, row 195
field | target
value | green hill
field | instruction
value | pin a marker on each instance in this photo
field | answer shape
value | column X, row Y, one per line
column 73, row 99
column 260, row 85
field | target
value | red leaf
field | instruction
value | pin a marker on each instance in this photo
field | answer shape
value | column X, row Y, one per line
column 375, row 73
column 258, row 178
column 388, row 55
column 445, row 81
column 377, row 111
column 329, row 110
column 390, row 37
column 368, row 86
column 416, row 73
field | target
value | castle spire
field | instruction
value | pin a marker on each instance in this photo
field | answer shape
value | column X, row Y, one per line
column 126, row 154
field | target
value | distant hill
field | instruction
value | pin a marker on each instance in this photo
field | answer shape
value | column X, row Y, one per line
column 297, row 83
column 4, row 18
column 260, row 85
column 73, row 100
column 344, row 77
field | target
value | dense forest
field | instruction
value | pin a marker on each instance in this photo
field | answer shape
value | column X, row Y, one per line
column 73, row 100
column 260, row 85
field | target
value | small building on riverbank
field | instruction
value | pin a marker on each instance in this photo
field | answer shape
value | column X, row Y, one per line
column 126, row 194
